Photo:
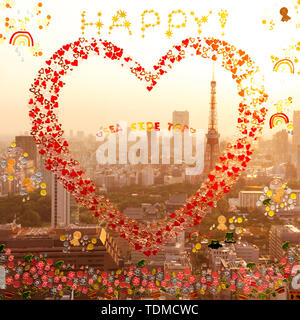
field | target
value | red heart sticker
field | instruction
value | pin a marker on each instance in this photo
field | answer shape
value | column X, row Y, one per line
column 53, row 146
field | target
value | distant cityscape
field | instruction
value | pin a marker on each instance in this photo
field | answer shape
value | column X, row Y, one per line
column 150, row 192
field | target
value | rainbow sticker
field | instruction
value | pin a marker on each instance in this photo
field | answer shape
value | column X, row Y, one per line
column 21, row 38
column 278, row 118
column 281, row 64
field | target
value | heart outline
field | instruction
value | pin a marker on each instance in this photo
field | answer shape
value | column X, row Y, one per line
column 144, row 238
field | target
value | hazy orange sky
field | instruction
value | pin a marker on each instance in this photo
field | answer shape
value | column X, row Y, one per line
column 100, row 92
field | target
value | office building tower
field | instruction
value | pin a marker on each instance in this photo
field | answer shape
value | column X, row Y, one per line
column 280, row 234
column 60, row 204
column 298, row 162
column 181, row 117
column 280, row 146
column 28, row 145
column 147, row 176
column 296, row 125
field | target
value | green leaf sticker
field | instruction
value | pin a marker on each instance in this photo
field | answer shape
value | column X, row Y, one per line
column 59, row 264
column 28, row 258
column 286, row 245
column 26, row 295
column 250, row 265
column 266, row 202
column 2, row 247
column 141, row 263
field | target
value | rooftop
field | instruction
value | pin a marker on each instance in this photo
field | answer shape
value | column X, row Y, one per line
column 250, row 191
column 292, row 228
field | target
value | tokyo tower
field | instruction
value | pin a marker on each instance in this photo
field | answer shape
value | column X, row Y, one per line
column 212, row 149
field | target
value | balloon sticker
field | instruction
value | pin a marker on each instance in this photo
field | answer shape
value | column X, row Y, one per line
column 278, row 198
column 195, row 238
column 235, row 224
column 14, row 168
column 77, row 240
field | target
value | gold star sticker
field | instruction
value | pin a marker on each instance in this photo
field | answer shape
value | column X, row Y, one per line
column 169, row 33
column 122, row 14
column 204, row 19
column 99, row 24
column 223, row 15
column 127, row 24
column 115, row 18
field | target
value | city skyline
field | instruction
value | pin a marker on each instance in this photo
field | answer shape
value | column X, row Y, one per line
column 168, row 212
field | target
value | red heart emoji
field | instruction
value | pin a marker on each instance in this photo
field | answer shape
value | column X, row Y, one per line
column 143, row 237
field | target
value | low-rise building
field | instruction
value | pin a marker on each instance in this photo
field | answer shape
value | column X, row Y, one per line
column 247, row 252
column 278, row 235
column 248, row 199
column 175, row 201
column 38, row 241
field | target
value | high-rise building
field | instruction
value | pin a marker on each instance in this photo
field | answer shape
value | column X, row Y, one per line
column 110, row 181
column 28, row 145
column 296, row 130
column 47, row 176
column 280, row 146
column 298, row 162
column 181, row 117
column 74, row 210
column 212, row 149
column 280, row 234
column 80, row 135
column 60, row 204
column 148, row 176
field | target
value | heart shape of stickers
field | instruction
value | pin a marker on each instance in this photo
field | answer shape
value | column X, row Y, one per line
column 48, row 132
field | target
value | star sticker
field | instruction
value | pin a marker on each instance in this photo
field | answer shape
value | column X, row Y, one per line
column 122, row 14
column 115, row 18
column 127, row 24
column 204, row 19
column 99, row 24
column 169, row 33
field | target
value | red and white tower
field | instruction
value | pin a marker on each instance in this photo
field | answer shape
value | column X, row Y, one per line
column 212, row 149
